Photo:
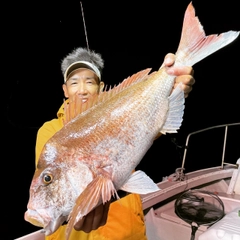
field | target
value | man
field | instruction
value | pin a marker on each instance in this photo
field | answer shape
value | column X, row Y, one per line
column 122, row 219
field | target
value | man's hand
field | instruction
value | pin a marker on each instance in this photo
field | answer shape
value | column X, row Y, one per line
column 183, row 74
column 93, row 220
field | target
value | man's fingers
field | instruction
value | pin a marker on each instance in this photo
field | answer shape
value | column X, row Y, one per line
column 86, row 226
column 94, row 219
column 79, row 224
column 185, row 79
column 105, row 213
column 180, row 70
column 98, row 215
column 169, row 60
column 187, row 83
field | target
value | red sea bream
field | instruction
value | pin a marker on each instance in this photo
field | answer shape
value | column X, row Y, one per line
column 96, row 152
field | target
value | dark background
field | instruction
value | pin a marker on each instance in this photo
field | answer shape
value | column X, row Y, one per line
column 131, row 36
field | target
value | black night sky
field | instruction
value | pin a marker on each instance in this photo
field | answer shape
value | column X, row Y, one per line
column 131, row 37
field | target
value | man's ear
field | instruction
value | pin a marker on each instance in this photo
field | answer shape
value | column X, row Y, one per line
column 65, row 91
column 101, row 86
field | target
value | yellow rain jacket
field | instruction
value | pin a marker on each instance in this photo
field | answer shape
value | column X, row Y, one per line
column 125, row 216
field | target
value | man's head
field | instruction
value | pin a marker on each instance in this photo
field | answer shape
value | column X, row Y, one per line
column 82, row 70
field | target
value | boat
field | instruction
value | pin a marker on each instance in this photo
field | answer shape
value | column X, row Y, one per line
column 218, row 186
column 214, row 190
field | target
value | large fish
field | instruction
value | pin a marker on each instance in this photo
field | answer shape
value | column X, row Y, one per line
column 96, row 152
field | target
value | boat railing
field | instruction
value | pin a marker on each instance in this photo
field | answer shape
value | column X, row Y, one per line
column 226, row 126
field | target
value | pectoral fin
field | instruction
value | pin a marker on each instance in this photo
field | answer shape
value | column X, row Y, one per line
column 100, row 190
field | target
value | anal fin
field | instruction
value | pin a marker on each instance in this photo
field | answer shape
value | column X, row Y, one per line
column 140, row 183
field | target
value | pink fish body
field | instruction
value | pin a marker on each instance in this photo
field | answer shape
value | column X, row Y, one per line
column 96, row 152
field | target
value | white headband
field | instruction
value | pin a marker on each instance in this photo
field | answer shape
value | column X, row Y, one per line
column 81, row 64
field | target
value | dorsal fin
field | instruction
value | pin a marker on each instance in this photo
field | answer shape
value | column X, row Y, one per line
column 76, row 106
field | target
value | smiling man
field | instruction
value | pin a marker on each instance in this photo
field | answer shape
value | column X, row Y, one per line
column 122, row 219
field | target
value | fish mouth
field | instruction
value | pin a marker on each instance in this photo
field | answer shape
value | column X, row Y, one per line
column 41, row 218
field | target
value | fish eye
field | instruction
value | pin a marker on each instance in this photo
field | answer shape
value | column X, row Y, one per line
column 47, row 178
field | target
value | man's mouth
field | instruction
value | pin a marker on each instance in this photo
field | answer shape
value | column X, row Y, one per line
column 84, row 100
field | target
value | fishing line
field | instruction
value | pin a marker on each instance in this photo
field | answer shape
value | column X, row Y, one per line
column 84, row 25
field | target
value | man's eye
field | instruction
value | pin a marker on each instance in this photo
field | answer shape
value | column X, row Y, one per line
column 89, row 81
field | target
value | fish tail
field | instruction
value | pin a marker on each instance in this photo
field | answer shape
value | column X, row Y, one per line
column 194, row 44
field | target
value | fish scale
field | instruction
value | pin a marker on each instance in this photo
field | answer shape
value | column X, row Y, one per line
column 134, row 134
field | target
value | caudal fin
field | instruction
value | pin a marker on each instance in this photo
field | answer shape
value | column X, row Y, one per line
column 194, row 44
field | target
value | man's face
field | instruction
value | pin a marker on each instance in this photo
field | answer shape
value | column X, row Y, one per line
column 84, row 82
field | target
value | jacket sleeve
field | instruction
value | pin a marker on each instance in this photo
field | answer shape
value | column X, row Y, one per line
column 44, row 133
